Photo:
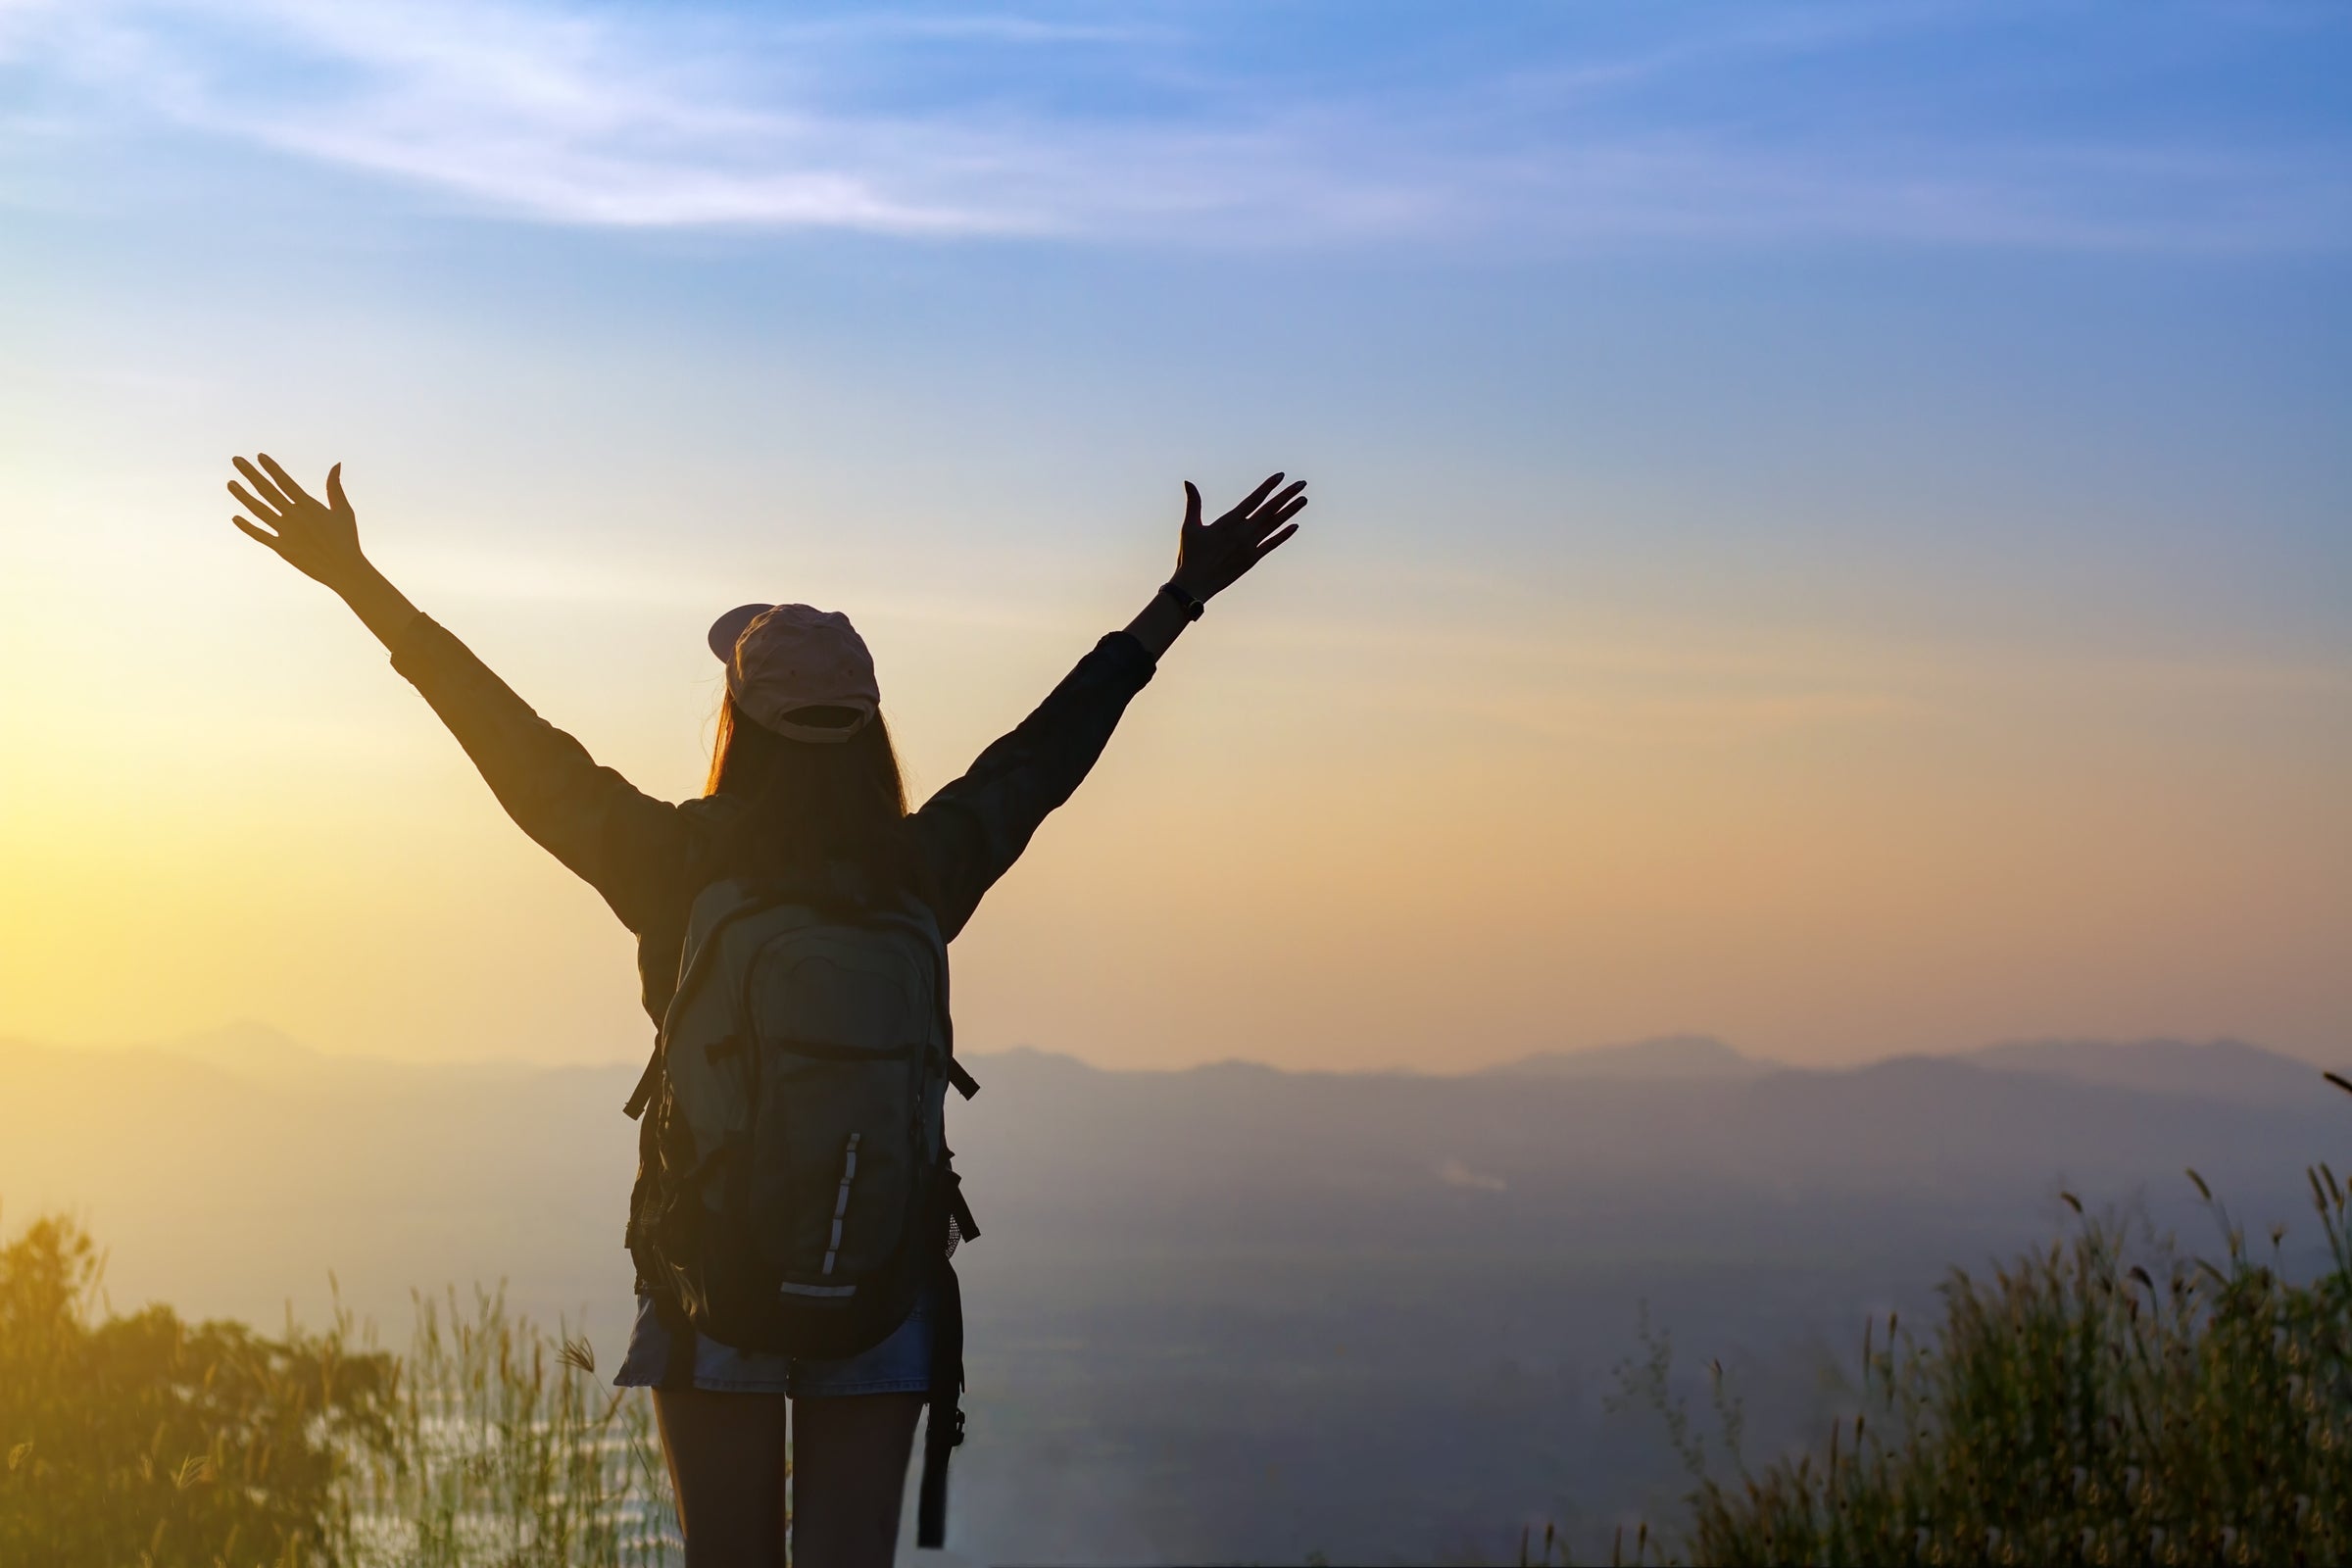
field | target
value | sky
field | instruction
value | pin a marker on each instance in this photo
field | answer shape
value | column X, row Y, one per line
column 1832, row 526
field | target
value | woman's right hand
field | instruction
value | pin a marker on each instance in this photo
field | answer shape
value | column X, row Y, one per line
column 320, row 540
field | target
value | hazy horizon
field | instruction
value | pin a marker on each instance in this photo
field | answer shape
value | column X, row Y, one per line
column 240, row 1037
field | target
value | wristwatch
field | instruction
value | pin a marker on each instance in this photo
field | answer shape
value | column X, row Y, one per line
column 1183, row 596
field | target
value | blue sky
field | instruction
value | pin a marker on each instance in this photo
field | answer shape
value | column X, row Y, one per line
column 1539, row 127
column 1925, row 415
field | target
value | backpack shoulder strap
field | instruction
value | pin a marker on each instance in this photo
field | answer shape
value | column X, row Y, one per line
column 714, row 909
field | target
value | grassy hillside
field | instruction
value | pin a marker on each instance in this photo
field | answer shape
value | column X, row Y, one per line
column 2095, row 1401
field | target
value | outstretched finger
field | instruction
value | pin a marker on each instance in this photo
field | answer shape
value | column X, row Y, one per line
column 267, row 513
column 284, row 479
column 1271, row 545
column 251, row 533
column 1192, row 506
column 334, row 489
column 1280, row 506
column 1273, row 515
column 263, row 486
column 1250, row 502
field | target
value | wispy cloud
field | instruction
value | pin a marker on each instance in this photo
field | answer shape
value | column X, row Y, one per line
column 674, row 117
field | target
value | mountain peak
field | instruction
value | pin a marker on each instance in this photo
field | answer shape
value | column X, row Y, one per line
column 1669, row 1057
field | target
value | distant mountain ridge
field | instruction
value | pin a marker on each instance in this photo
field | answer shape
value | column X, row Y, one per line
column 2218, row 1069
column 1659, row 1057
column 263, row 1055
column 251, row 1180
column 2226, row 1069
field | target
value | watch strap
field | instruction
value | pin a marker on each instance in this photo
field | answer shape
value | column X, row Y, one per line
column 1192, row 605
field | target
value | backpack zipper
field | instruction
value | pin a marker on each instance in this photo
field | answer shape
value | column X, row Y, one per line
column 841, row 1201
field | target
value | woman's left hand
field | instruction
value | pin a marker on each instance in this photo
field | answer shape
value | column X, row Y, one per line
column 1211, row 556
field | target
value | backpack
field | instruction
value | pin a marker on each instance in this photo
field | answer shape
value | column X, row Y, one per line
column 795, row 1191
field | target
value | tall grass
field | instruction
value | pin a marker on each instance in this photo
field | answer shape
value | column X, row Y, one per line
column 2089, row 1403
column 504, row 1448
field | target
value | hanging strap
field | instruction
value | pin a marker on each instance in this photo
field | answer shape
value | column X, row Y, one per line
column 642, row 1096
column 942, row 1433
column 964, row 1083
column 967, row 1229
column 677, row 1366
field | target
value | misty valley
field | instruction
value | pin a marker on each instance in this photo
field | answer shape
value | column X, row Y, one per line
column 1232, row 1313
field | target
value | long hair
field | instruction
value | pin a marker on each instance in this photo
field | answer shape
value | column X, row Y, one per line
column 811, row 810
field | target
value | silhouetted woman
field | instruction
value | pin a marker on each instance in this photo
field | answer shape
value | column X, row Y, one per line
column 802, row 781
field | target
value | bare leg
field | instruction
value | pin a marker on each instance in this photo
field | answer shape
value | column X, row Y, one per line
column 848, row 1474
column 727, row 1460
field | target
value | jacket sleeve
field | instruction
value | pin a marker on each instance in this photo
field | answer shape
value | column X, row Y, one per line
column 629, row 847
column 972, row 830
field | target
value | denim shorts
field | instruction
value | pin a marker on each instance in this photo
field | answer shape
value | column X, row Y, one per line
column 900, row 1364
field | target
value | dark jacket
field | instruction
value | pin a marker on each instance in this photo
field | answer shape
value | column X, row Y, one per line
column 645, row 855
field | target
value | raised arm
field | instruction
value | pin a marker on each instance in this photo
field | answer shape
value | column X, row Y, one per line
column 628, row 846
column 975, row 828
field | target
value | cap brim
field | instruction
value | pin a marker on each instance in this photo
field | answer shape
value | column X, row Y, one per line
column 821, row 734
column 727, row 630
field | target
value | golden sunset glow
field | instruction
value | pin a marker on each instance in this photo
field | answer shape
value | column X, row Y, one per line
column 1909, row 647
column 1373, row 843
